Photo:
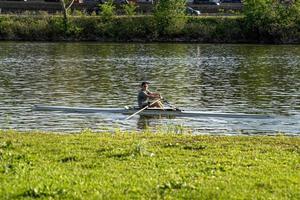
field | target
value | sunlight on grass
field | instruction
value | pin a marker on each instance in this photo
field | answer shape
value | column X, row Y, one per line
column 125, row 165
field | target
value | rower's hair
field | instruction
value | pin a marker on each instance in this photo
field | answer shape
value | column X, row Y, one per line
column 144, row 83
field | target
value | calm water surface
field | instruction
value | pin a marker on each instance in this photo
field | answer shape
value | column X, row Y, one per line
column 259, row 79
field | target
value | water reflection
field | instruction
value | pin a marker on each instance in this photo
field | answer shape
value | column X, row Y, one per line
column 228, row 78
column 143, row 122
column 148, row 122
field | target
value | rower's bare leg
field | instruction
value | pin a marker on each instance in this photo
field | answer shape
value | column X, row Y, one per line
column 161, row 105
column 157, row 105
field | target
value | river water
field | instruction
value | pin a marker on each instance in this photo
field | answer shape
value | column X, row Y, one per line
column 260, row 79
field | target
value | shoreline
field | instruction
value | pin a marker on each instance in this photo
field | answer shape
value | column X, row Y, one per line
column 142, row 29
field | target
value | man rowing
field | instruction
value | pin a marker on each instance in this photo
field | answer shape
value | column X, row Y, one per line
column 145, row 96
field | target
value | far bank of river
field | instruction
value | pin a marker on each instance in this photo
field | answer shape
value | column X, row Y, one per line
column 212, row 29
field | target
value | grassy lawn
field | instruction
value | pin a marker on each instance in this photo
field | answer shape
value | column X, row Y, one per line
column 148, row 166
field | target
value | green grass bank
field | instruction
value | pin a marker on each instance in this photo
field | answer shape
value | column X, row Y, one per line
column 144, row 29
column 148, row 166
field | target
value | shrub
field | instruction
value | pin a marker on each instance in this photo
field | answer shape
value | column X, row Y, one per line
column 56, row 28
column 86, row 27
column 107, row 11
column 170, row 16
column 6, row 29
column 130, row 8
column 279, row 26
column 272, row 21
column 134, row 28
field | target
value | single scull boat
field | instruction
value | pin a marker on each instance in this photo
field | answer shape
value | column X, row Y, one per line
column 149, row 111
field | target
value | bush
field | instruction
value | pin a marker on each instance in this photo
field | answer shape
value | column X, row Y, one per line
column 6, row 29
column 130, row 9
column 270, row 29
column 214, row 29
column 107, row 11
column 272, row 21
column 170, row 16
column 56, row 28
column 133, row 28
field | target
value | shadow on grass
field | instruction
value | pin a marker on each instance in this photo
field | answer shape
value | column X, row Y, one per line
column 69, row 159
column 43, row 192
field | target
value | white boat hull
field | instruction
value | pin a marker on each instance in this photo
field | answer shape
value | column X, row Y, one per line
column 150, row 112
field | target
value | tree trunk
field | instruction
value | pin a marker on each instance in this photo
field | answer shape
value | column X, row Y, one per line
column 65, row 16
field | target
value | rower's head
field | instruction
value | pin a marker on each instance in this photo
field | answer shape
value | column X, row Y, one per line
column 145, row 85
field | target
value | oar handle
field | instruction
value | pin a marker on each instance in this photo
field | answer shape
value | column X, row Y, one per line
column 143, row 109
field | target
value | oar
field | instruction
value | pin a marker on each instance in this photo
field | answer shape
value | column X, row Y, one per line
column 143, row 109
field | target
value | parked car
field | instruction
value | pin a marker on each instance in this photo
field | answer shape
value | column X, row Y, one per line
column 210, row 2
column 192, row 11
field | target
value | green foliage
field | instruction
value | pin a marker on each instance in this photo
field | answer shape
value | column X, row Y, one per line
column 78, row 13
column 284, row 29
column 170, row 16
column 85, row 27
column 6, row 28
column 42, row 13
column 259, row 12
column 131, row 28
column 66, row 5
column 215, row 29
column 272, row 20
column 27, row 28
column 107, row 11
column 74, row 31
column 130, row 8
column 56, row 29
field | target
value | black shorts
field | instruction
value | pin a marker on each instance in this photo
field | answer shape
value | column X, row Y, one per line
column 145, row 104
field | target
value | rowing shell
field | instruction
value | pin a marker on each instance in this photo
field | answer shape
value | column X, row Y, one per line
column 149, row 111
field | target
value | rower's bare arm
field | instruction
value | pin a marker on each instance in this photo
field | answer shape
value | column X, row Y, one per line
column 154, row 95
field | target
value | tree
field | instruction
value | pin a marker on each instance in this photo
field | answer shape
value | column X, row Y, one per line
column 66, row 5
column 170, row 16
column 272, row 19
column 107, row 11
